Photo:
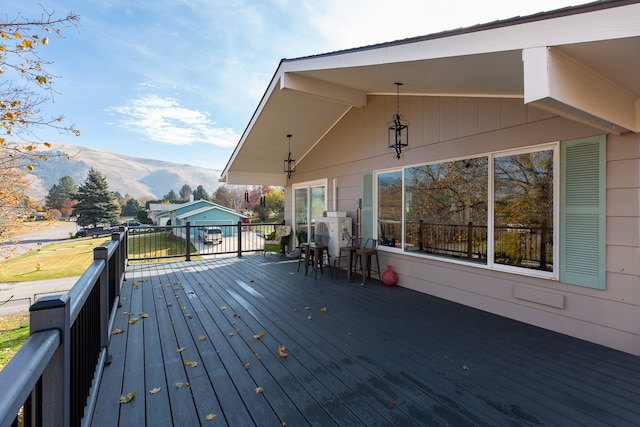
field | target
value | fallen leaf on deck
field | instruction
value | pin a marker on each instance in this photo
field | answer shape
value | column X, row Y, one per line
column 188, row 316
column 257, row 355
column 210, row 417
column 309, row 317
column 129, row 397
column 259, row 389
column 281, row 351
column 143, row 315
column 307, row 308
column 231, row 334
column 190, row 363
column 202, row 338
column 258, row 335
column 323, row 309
column 169, row 304
column 389, row 400
column 160, row 297
column 136, row 286
column 127, row 313
column 181, row 349
column 184, row 307
column 245, row 364
column 224, row 307
column 466, row 368
column 143, row 280
column 236, row 314
column 154, row 390
column 133, row 320
column 447, row 358
column 179, row 385
column 116, row 331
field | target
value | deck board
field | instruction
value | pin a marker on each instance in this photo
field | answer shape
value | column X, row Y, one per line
column 377, row 356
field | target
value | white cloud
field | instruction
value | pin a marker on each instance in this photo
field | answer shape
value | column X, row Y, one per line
column 165, row 120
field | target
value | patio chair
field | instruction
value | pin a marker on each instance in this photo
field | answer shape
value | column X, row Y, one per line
column 278, row 240
column 366, row 254
column 318, row 251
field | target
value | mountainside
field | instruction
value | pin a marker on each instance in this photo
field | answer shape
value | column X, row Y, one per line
column 144, row 179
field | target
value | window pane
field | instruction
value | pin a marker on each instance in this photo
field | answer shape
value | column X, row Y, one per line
column 302, row 215
column 390, row 209
column 524, row 210
column 446, row 209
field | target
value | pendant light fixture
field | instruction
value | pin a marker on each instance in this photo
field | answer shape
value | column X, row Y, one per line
column 398, row 129
column 289, row 163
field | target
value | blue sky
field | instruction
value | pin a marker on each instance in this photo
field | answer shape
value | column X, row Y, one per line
column 178, row 80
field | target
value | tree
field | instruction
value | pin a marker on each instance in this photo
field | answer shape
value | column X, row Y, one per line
column 21, row 40
column 171, row 195
column 200, row 193
column 223, row 197
column 96, row 204
column 131, row 208
column 274, row 201
column 65, row 189
column 185, row 192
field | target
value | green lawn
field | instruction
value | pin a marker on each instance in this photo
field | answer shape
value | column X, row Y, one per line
column 14, row 331
column 67, row 259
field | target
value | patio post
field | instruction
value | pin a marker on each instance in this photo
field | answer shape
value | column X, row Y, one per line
column 239, row 239
column 188, row 255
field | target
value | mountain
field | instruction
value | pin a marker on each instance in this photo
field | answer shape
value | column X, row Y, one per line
column 144, row 179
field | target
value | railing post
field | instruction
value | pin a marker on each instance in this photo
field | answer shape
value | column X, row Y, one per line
column 470, row 240
column 420, row 235
column 188, row 255
column 239, row 239
column 54, row 312
column 102, row 253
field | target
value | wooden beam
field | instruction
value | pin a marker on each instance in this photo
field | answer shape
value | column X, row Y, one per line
column 323, row 90
column 557, row 82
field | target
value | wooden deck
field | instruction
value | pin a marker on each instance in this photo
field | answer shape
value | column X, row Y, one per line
column 377, row 356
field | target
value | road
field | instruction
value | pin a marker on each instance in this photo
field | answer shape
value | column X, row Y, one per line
column 20, row 295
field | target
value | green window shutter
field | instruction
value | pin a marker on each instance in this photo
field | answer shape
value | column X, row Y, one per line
column 367, row 206
column 583, row 212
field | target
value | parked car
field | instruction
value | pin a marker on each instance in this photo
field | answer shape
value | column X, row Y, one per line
column 213, row 235
column 93, row 231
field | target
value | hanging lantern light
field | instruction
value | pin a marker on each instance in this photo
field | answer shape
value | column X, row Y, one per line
column 398, row 129
column 289, row 163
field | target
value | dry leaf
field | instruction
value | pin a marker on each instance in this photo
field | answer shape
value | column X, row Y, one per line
column 169, row 304
column 447, row 358
column 160, row 297
column 236, row 314
column 184, row 307
column 136, row 286
column 281, row 351
column 154, row 390
column 258, row 335
column 181, row 349
column 224, row 307
column 307, row 308
column 133, row 320
column 257, row 356
column 127, row 313
column 309, row 317
column 323, row 309
column 188, row 316
column 128, row 397
column 202, row 338
column 190, row 363
column 466, row 368
column 116, row 331
column 143, row 315
column 231, row 334
column 179, row 385
column 210, row 417
column 245, row 364
column 259, row 389
column 389, row 400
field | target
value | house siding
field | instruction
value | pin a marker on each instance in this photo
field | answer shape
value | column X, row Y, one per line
column 445, row 128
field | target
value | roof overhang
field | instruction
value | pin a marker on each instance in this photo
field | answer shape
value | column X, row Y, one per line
column 581, row 63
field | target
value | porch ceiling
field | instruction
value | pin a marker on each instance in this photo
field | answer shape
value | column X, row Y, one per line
column 586, row 75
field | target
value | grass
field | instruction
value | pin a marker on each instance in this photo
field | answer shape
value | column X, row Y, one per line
column 14, row 331
column 150, row 245
column 26, row 227
column 66, row 259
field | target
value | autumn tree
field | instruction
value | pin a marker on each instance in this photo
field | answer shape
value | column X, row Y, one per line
column 96, row 204
column 65, row 189
column 274, row 201
column 25, row 87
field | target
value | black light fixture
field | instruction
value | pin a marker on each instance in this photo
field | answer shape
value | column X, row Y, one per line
column 289, row 163
column 398, row 129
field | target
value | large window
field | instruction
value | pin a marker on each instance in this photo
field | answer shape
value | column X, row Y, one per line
column 309, row 203
column 497, row 210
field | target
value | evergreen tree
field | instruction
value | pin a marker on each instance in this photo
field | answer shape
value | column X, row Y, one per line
column 65, row 189
column 223, row 197
column 171, row 195
column 200, row 193
column 131, row 208
column 96, row 204
column 185, row 192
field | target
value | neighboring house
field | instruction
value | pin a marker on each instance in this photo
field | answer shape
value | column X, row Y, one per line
column 204, row 212
column 520, row 191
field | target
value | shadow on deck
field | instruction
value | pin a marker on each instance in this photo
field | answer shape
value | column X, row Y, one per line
column 376, row 356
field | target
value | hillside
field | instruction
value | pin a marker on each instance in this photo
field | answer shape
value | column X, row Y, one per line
column 142, row 178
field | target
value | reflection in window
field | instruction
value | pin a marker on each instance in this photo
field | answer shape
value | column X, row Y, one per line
column 446, row 209
column 390, row 209
column 523, row 210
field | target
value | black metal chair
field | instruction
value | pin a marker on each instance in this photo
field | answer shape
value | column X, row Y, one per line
column 368, row 251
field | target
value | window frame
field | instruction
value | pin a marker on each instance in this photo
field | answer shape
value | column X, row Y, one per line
column 490, row 264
